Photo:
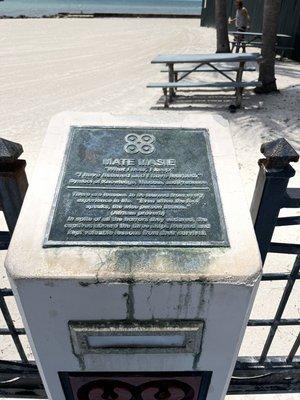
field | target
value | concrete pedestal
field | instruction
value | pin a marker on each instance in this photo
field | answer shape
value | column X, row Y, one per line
column 121, row 309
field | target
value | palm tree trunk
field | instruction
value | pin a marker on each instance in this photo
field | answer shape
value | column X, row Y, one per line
column 267, row 66
column 221, row 26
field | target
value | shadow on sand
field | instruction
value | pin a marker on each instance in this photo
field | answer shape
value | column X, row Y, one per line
column 194, row 100
column 256, row 113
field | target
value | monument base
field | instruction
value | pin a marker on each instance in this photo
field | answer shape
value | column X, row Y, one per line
column 111, row 306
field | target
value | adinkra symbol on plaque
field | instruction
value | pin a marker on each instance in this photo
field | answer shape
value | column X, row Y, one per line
column 139, row 143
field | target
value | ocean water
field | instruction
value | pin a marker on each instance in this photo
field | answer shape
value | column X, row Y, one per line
column 47, row 7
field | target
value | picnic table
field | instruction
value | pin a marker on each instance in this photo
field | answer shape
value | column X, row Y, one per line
column 252, row 39
column 206, row 63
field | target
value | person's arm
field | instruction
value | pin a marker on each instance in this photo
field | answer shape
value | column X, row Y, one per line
column 246, row 14
column 231, row 20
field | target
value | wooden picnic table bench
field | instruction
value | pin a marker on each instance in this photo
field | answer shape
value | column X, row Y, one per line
column 180, row 70
column 203, row 63
column 242, row 40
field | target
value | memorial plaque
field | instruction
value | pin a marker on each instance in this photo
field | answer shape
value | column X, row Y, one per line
column 137, row 186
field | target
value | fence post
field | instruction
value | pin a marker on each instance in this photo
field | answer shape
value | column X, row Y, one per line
column 13, row 181
column 270, row 190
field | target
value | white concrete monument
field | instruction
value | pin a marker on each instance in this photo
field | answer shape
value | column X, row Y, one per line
column 134, row 261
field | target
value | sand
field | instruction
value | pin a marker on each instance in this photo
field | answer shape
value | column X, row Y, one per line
column 103, row 65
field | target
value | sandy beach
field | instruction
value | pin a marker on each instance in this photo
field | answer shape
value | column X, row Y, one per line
column 103, row 65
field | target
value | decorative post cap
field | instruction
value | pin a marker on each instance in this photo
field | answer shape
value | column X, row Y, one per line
column 9, row 151
column 279, row 153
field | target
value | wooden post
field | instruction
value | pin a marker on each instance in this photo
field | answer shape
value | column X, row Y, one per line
column 13, row 181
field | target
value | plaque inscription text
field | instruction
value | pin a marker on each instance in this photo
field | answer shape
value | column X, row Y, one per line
column 137, row 186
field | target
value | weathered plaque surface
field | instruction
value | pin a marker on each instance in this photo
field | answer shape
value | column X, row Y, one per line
column 137, row 186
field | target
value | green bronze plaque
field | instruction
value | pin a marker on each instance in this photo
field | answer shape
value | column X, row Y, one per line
column 137, row 186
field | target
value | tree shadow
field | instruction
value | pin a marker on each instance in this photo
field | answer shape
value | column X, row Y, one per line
column 194, row 100
column 269, row 116
column 288, row 69
column 278, row 116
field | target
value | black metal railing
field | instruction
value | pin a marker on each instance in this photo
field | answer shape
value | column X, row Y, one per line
column 266, row 373
column 17, row 378
column 269, row 374
column 11, row 329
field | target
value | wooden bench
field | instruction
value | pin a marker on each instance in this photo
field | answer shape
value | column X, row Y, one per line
column 199, row 85
column 259, row 45
column 251, row 39
column 280, row 49
column 225, row 69
column 243, row 44
column 205, row 63
column 253, row 44
column 254, row 39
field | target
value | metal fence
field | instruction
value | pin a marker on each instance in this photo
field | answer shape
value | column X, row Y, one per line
column 265, row 374
column 261, row 374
